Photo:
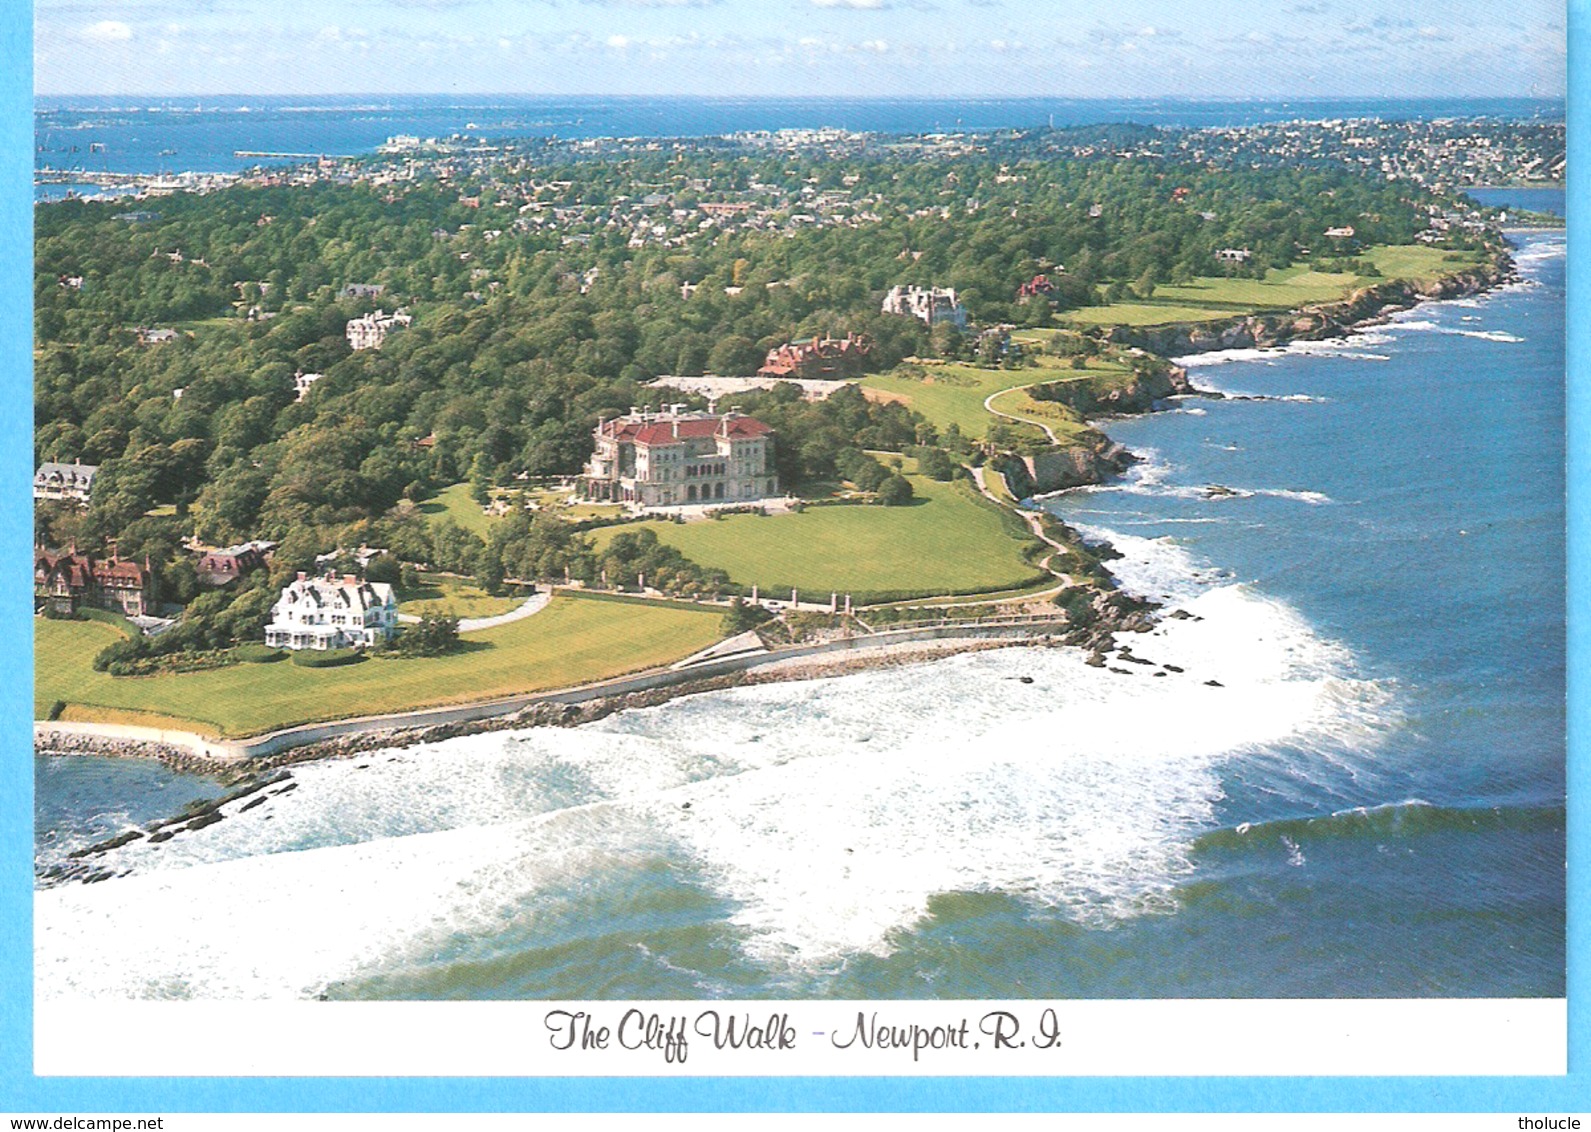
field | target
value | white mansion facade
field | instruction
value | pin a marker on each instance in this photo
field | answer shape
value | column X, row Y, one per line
column 369, row 331
column 933, row 305
column 332, row 613
column 676, row 458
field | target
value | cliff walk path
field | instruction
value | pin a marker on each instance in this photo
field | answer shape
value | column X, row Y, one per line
column 1036, row 525
column 988, row 403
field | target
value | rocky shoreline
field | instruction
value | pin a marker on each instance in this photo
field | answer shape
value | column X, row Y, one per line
column 1311, row 323
column 272, row 774
column 1056, row 469
column 1062, row 468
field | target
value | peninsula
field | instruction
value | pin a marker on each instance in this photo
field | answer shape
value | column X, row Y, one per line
column 715, row 406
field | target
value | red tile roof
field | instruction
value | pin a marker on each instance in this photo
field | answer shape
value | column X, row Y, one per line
column 663, row 432
column 657, row 433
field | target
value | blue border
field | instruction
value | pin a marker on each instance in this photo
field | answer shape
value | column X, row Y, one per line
column 21, row 1092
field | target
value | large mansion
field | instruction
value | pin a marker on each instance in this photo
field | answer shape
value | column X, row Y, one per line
column 933, row 305
column 676, row 457
column 332, row 613
column 818, row 359
column 369, row 331
column 71, row 581
column 64, row 481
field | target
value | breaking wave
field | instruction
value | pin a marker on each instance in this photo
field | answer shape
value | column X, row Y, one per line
column 824, row 815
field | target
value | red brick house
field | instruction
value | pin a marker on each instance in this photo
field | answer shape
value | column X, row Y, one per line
column 70, row 581
column 818, row 358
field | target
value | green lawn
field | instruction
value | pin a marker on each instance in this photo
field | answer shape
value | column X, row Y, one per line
column 457, row 503
column 453, row 597
column 1416, row 261
column 948, row 540
column 1144, row 314
column 1281, row 289
column 572, row 641
column 954, row 394
column 1063, row 422
column 1209, row 298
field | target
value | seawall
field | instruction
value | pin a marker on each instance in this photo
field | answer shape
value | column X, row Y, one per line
column 187, row 748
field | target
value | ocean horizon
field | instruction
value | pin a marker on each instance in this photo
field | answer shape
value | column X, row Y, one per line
column 203, row 133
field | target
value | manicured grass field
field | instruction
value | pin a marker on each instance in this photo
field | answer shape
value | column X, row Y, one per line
column 1416, row 261
column 1063, row 422
column 1215, row 297
column 572, row 641
column 453, row 597
column 954, row 394
column 1144, row 314
column 948, row 540
column 1281, row 288
column 456, row 503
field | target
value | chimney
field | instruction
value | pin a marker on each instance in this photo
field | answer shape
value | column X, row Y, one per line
column 350, row 579
column 676, row 428
column 303, row 577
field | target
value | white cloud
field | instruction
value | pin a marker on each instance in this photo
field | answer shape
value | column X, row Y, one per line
column 108, row 31
column 877, row 46
column 854, row 5
column 619, row 41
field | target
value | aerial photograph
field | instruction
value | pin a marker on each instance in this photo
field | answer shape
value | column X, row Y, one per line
column 798, row 500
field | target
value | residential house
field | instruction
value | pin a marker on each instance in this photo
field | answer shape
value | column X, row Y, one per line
column 818, row 359
column 302, row 381
column 932, row 305
column 65, row 481
column 332, row 613
column 369, row 331
column 67, row 582
column 223, row 567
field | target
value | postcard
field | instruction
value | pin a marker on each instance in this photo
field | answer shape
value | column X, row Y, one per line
column 831, row 540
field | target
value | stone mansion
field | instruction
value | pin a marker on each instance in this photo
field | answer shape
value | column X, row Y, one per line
column 675, row 458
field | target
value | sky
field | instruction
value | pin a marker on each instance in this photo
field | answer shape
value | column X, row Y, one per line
column 905, row 48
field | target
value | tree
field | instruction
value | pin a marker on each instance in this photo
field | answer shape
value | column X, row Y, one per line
column 935, row 463
column 896, row 491
column 433, row 636
column 481, row 479
column 743, row 616
column 734, row 355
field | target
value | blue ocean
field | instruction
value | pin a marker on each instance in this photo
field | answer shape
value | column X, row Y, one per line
column 1341, row 772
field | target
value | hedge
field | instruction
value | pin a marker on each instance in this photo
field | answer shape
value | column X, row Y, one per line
column 255, row 653
column 330, row 658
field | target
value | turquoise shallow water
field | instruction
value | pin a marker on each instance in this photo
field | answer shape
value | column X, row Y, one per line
column 1370, row 802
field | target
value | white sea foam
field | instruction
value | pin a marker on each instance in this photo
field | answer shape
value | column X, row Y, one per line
column 1356, row 346
column 1544, row 248
column 1430, row 327
column 827, row 814
column 1313, row 497
column 1151, row 477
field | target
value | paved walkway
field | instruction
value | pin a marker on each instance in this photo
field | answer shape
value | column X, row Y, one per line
column 1035, row 524
column 987, row 404
column 533, row 604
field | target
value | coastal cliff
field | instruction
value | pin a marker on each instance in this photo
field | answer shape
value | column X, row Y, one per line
column 1099, row 457
column 1323, row 320
column 1078, row 465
